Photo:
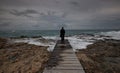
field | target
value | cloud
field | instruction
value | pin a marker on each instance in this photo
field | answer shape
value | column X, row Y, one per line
column 51, row 14
column 74, row 3
column 23, row 13
column 5, row 24
column 62, row 25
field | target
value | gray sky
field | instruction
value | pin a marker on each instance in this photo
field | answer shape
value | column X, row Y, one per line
column 53, row 14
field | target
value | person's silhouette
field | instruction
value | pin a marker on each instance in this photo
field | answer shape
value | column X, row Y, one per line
column 62, row 34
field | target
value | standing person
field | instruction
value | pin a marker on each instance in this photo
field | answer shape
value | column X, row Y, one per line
column 62, row 34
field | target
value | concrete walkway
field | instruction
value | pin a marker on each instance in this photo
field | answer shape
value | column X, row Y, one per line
column 63, row 60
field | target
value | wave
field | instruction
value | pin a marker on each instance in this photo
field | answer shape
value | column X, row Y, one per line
column 112, row 34
column 50, row 42
column 77, row 41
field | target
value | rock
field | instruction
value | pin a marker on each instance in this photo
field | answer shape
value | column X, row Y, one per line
column 23, row 58
column 105, row 55
column 3, row 43
column 37, row 37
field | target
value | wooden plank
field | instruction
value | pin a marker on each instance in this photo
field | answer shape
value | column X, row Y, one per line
column 64, row 71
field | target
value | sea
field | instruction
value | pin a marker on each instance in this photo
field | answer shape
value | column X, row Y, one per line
column 33, row 33
column 79, row 39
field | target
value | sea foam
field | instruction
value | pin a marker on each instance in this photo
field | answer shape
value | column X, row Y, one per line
column 113, row 34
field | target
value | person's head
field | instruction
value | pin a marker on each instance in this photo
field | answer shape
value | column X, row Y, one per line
column 62, row 27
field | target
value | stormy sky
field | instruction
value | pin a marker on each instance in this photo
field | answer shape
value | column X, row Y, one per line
column 54, row 14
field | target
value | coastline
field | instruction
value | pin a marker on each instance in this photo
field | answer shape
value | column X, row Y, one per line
column 16, row 52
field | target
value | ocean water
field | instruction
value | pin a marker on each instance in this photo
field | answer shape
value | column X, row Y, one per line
column 77, row 42
column 32, row 33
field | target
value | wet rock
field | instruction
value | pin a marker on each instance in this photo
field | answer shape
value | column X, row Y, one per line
column 105, row 56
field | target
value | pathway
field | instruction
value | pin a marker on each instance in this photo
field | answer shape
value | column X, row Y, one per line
column 63, row 60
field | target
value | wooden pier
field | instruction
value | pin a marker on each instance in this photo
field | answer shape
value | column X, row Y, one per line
column 63, row 60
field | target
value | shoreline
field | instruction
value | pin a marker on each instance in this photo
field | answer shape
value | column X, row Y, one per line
column 86, row 46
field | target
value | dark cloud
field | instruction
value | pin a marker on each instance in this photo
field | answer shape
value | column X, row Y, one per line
column 23, row 13
column 5, row 24
column 74, row 3
column 73, row 14
column 106, row 21
column 87, row 6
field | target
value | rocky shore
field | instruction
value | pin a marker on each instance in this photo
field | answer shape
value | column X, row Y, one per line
column 22, row 57
column 101, row 57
